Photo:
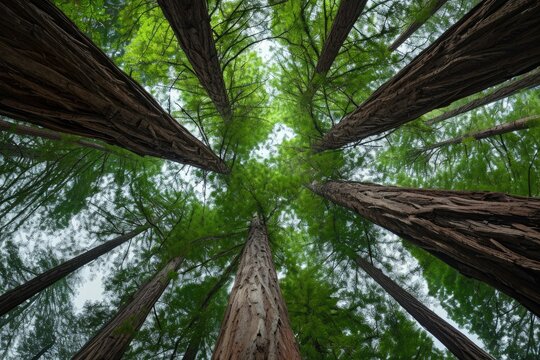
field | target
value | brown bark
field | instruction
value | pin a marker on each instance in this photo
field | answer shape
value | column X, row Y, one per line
column 113, row 339
column 434, row 6
column 527, row 82
column 517, row 125
column 497, row 40
column 348, row 12
column 52, row 75
column 191, row 24
column 460, row 345
column 492, row 237
column 256, row 324
column 21, row 293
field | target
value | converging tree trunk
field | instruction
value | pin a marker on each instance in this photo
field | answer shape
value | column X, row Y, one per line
column 20, row 294
column 527, row 82
column 191, row 24
column 430, row 10
column 454, row 340
column 494, row 42
column 256, row 324
column 113, row 339
column 492, row 237
column 347, row 14
column 52, row 75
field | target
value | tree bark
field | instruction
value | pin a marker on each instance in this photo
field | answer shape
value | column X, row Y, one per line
column 113, row 339
column 460, row 345
column 20, row 294
column 434, row 6
column 191, row 24
column 492, row 237
column 497, row 40
column 52, row 75
column 347, row 14
column 517, row 125
column 256, row 324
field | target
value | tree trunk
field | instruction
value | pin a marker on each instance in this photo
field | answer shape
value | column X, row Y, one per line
column 513, row 87
column 256, row 324
column 20, row 294
column 52, row 75
column 113, row 339
column 491, row 237
column 460, row 345
column 191, row 24
column 433, row 7
column 348, row 12
column 517, row 125
column 494, row 42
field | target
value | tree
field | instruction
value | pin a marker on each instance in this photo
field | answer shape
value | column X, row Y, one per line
column 62, row 81
column 488, row 236
column 486, row 34
column 257, row 304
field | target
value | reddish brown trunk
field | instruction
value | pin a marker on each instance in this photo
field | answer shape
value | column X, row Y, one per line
column 494, row 42
column 455, row 341
column 256, row 324
column 24, row 292
column 434, row 6
column 191, row 23
column 348, row 12
column 491, row 237
column 52, row 75
column 113, row 339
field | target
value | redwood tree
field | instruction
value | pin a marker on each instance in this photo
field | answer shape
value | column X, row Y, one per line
column 494, row 42
column 113, row 339
column 52, row 75
column 492, row 237
column 256, row 324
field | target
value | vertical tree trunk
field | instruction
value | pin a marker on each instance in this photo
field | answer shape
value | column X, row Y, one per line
column 527, row 82
column 455, row 341
column 20, row 294
column 191, row 24
column 491, row 237
column 433, row 7
column 494, row 42
column 52, row 75
column 348, row 12
column 256, row 324
column 113, row 339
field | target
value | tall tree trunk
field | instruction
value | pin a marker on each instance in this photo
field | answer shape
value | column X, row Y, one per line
column 460, row 345
column 113, row 339
column 191, row 24
column 494, row 42
column 492, row 237
column 527, row 82
column 348, row 12
column 21, row 293
column 432, row 8
column 256, row 324
column 52, row 75
column 517, row 125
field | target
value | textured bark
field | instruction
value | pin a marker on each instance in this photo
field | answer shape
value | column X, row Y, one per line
column 527, row 82
column 113, row 339
column 517, row 125
column 191, row 24
column 348, row 12
column 460, row 345
column 492, row 237
column 52, row 75
column 494, row 42
column 20, row 294
column 256, row 324
column 434, row 6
